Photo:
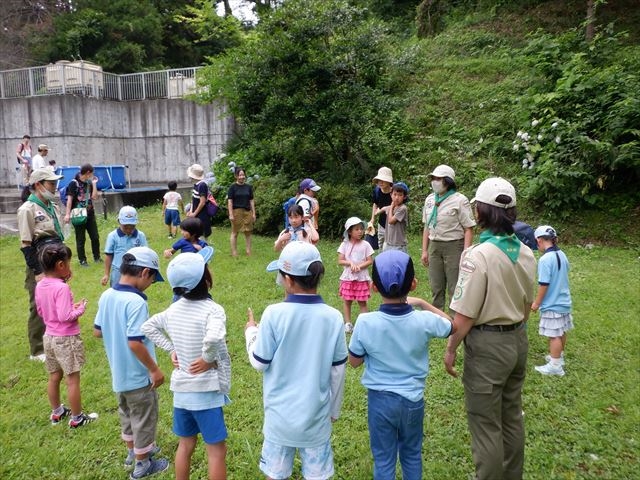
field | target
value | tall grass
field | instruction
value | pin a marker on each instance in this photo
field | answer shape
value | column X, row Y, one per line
column 585, row 425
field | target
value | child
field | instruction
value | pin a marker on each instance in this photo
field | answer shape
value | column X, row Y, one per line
column 395, row 236
column 308, row 202
column 302, row 357
column 63, row 347
column 119, row 241
column 193, row 330
column 171, row 207
column 191, row 229
column 299, row 229
column 135, row 374
column 553, row 299
column 394, row 345
column 355, row 255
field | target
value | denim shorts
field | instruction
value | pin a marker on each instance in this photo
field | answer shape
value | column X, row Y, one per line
column 276, row 461
column 172, row 217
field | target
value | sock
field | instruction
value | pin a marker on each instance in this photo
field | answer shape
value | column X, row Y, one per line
column 143, row 464
column 555, row 362
column 59, row 410
column 76, row 418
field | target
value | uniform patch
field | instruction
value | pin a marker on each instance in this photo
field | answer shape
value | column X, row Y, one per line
column 468, row 266
column 457, row 293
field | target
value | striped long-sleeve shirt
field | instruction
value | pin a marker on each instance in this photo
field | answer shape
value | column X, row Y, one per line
column 193, row 329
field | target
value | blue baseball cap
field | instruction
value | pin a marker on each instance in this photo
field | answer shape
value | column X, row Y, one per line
column 310, row 184
column 186, row 269
column 147, row 258
column 128, row 216
column 295, row 259
column 393, row 273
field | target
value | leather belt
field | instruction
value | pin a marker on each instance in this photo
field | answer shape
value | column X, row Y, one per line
column 498, row 328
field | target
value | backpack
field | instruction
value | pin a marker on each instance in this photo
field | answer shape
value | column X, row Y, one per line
column 286, row 206
column 63, row 195
column 211, row 205
column 525, row 233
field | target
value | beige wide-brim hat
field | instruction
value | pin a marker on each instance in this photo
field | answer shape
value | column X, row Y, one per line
column 384, row 174
column 195, row 171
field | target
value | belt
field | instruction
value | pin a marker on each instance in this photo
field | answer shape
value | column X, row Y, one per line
column 498, row 328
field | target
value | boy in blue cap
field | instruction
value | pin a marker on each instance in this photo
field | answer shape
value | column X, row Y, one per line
column 393, row 343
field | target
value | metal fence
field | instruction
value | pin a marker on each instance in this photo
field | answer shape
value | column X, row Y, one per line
column 88, row 79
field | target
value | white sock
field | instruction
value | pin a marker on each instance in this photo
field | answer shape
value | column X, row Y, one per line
column 555, row 362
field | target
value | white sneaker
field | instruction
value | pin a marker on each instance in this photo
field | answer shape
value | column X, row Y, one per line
column 547, row 359
column 550, row 369
column 38, row 358
column 348, row 327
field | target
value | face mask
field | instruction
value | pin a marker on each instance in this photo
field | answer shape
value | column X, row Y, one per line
column 438, row 186
column 51, row 197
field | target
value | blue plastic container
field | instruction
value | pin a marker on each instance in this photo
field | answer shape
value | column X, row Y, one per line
column 119, row 176
column 68, row 173
column 103, row 173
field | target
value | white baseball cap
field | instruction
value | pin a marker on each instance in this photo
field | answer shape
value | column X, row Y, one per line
column 545, row 231
column 490, row 189
column 186, row 269
column 442, row 171
column 128, row 216
column 147, row 258
column 295, row 259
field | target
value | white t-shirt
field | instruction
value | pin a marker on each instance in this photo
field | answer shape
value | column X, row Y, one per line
column 173, row 199
column 357, row 253
column 38, row 161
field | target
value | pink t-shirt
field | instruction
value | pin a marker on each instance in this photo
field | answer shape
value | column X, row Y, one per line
column 356, row 252
column 54, row 302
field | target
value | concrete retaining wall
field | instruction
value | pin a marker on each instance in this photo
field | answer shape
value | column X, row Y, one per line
column 157, row 139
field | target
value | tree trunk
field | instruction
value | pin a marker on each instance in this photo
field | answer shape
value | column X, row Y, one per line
column 591, row 20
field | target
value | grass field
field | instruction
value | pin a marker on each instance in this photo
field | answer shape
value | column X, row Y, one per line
column 585, row 425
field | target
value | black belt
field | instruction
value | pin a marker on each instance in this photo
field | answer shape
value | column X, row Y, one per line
column 498, row 328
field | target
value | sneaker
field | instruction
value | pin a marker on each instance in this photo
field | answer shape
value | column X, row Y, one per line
column 131, row 457
column 154, row 466
column 55, row 419
column 547, row 359
column 550, row 369
column 169, row 236
column 98, row 260
column 83, row 263
column 348, row 327
column 83, row 420
column 38, row 358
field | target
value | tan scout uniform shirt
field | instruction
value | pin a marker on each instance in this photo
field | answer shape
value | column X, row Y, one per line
column 454, row 215
column 34, row 222
column 491, row 289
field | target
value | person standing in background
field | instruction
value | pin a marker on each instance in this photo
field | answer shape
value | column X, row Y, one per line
column 448, row 230
column 81, row 193
column 38, row 159
column 23, row 154
column 242, row 211
column 381, row 199
column 199, row 196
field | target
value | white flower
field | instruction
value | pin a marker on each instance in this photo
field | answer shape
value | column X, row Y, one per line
column 481, row 140
column 557, row 139
column 525, row 136
column 531, row 165
column 554, row 124
column 540, row 136
column 516, row 147
column 526, row 146
column 519, row 134
column 535, row 123
column 529, row 157
column 481, row 105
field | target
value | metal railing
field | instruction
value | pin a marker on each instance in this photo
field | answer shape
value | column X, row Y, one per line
column 88, row 79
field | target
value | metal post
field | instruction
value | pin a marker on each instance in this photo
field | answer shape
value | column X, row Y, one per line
column 64, row 80
column 31, row 89
column 144, row 90
column 119, row 78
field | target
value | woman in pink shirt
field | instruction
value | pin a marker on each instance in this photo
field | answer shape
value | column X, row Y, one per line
column 63, row 347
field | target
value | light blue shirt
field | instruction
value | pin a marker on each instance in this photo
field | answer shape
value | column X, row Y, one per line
column 553, row 271
column 394, row 342
column 118, row 243
column 300, row 340
column 121, row 312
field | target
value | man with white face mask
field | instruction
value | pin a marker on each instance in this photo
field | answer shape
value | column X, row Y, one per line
column 448, row 230
column 39, row 223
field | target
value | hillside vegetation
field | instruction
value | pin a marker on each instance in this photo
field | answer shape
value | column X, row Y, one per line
column 333, row 90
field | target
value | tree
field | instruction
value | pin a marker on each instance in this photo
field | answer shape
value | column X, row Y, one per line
column 310, row 90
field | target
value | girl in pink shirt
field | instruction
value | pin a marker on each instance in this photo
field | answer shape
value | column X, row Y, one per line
column 63, row 347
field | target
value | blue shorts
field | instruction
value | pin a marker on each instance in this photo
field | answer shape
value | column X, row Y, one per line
column 209, row 423
column 276, row 461
column 172, row 217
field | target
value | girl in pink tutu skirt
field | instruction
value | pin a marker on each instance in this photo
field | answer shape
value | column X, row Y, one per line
column 355, row 255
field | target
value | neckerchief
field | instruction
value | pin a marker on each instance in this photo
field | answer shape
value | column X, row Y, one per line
column 50, row 210
column 508, row 244
column 297, row 231
column 433, row 219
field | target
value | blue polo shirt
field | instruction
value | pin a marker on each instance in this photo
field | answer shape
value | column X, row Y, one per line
column 394, row 342
column 121, row 312
column 553, row 271
column 118, row 243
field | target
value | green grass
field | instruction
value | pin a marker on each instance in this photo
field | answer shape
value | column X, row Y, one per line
column 585, row 425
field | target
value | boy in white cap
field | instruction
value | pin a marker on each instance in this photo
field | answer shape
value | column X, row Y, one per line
column 38, row 159
column 393, row 343
column 135, row 375
column 300, row 348
column 119, row 241
column 307, row 200
column 553, row 299
column 193, row 331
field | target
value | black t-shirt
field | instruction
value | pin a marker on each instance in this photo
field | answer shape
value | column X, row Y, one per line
column 80, row 192
column 240, row 195
column 381, row 199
